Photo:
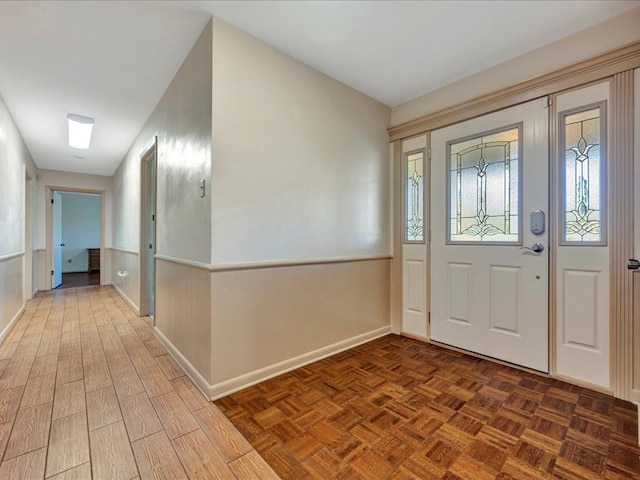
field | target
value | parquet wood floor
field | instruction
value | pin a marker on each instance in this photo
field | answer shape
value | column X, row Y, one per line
column 400, row 409
column 88, row 392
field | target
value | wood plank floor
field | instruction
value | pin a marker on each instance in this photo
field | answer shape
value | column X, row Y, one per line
column 80, row 279
column 87, row 392
column 396, row 408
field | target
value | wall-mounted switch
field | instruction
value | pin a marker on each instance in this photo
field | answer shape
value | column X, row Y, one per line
column 202, row 188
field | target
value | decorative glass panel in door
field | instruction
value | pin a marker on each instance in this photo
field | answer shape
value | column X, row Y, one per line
column 414, row 196
column 484, row 188
column 582, row 177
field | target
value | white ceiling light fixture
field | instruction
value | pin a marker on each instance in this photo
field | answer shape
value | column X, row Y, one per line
column 80, row 130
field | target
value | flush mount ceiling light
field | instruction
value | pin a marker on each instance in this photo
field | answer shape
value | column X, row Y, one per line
column 79, row 130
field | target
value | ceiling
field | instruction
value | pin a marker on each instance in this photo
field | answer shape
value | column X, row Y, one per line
column 112, row 60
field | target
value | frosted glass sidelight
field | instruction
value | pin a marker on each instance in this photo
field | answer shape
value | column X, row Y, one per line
column 582, row 177
column 484, row 188
column 414, row 196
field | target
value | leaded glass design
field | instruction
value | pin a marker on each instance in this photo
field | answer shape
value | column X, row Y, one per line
column 484, row 188
column 583, row 181
column 414, row 197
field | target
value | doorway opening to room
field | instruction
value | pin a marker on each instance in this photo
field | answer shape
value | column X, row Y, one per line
column 76, row 238
column 148, row 180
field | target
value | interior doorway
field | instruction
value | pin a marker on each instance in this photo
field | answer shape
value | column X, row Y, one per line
column 148, row 179
column 76, row 234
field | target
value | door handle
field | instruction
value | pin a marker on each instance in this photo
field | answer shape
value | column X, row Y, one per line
column 535, row 248
column 633, row 264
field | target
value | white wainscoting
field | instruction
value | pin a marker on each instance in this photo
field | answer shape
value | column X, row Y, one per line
column 183, row 316
column 231, row 329
column 11, row 291
column 271, row 320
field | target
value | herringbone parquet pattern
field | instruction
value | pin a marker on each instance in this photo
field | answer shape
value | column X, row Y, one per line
column 397, row 408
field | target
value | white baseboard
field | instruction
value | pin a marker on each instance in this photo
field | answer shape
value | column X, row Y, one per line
column 126, row 299
column 189, row 369
column 11, row 324
column 228, row 387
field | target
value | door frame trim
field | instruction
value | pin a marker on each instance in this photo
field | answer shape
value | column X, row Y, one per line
column 149, row 153
column 49, row 189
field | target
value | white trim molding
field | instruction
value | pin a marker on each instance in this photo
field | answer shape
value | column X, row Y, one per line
column 5, row 333
column 226, row 267
column 124, row 250
column 9, row 256
column 186, row 365
column 228, row 387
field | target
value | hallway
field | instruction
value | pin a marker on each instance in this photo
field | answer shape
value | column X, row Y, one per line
column 87, row 391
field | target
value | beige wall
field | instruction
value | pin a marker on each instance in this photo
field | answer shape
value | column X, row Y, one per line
column 300, row 174
column 15, row 160
column 590, row 42
column 266, row 321
column 15, row 164
column 297, row 170
column 300, row 161
column 182, row 122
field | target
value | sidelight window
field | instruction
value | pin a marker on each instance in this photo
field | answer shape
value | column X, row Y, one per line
column 582, row 162
column 414, row 196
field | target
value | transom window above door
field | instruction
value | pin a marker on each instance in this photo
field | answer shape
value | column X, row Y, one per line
column 484, row 188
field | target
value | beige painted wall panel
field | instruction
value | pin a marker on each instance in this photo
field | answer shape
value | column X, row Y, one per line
column 126, row 202
column 15, row 164
column 125, row 274
column 43, row 270
column 183, row 313
column 182, row 123
column 14, row 160
column 34, row 272
column 590, row 42
column 300, row 161
column 10, row 290
column 265, row 316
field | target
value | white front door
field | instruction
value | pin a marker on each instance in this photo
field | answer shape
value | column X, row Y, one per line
column 489, row 218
